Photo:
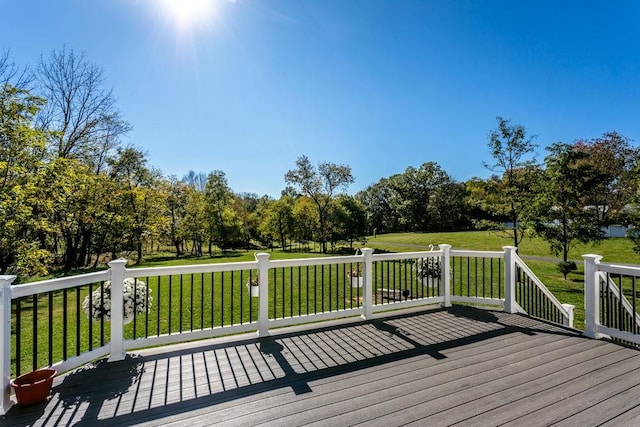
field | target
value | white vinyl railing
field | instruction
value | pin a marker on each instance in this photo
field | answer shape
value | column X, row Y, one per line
column 376, row 282
column 608, row 311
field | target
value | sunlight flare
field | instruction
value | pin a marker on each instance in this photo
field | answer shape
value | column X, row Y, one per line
column 188, row 15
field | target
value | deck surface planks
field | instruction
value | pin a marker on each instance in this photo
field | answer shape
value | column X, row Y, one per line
column 456, row 366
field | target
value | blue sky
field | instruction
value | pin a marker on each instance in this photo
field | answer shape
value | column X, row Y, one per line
column 247, row 86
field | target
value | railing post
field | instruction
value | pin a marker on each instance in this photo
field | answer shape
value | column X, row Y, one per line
column 367, row 291
column 570, row 309
column 446, row 274
column 591, row 295
column 510, row 278
column 5, row 339
column 117, row 310
column 263, row 294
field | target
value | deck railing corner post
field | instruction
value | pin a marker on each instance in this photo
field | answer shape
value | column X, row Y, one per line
column 446, row 274
column 263, row 293
column 5, row 338
column 367, row 297
column 510, row 255
column 117, row 269
column 591, row 295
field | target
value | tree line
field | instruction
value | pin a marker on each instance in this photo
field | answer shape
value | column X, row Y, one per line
column 72, row 195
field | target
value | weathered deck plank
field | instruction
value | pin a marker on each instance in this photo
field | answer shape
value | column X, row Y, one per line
column 440, row 367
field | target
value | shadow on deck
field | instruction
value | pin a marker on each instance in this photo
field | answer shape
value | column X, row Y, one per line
column 436, row 367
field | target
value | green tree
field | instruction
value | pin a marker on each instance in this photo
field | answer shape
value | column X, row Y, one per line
column 177, row 193
column 140, row 196
column 21, row 155
column 350, row 219
column 278, row 221
column 512, row 151
column 563, row 216
column 379, row 202
column 222, row 221
column 320, row 184
column 612, row 163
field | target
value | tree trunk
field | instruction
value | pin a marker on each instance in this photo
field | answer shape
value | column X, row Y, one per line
column 84, row 248
column 139, row 250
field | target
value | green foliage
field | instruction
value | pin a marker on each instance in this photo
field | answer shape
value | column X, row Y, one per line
column 563, row 213
column 320, row 185
column 512, row 151
column 566, row 267
column 21, row 150
column 420, row 199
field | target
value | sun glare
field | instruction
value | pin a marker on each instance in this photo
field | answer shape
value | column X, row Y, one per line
column 188, row 15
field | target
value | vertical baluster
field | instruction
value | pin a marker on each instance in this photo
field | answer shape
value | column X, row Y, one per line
column 18, row 336
column 180, row 313
column 101, row 317
column 483, row 272
column 499, row 280
column 65, row 326
column 169, row 303
column 231, row 298
column 291, row 292
column 146, row 312
column 306, row 286
column 315, row 289
column 78, row 311
column 158, row 303
column 50, row 337
column 191, row 303
column 35, row 330
column 621, row 309
column 213, row 300
column 90, row 319
column 222, row 286
column 201, row 301
column 299, row 291
column 633, row 304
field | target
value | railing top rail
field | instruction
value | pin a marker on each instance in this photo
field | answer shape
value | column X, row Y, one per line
column 27, row 289
column 480, row 254
column 407, row 255
column 300, row 262
column 628, row 270
column 189, row 269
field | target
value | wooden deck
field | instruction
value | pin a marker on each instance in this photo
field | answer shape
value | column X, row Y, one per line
column 459, row 366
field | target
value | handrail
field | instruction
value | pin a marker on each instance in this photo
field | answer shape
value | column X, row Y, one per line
column 616, row 293
column 27, row 289
column 561, row 307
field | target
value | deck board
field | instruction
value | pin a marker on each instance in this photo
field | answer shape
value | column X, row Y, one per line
column 460, row 366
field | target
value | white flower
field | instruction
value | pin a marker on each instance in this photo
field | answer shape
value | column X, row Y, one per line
column 427, row 267
column 135, row 299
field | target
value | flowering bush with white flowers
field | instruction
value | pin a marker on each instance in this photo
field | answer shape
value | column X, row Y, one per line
column 428, row 268
column 134, row 299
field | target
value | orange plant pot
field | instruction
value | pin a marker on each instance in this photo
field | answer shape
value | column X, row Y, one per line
column 34, row 387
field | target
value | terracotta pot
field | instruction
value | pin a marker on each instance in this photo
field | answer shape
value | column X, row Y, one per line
column 34, row 387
